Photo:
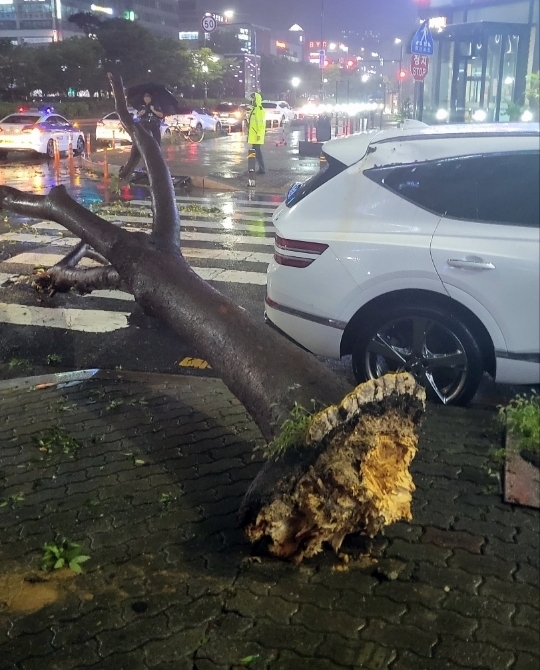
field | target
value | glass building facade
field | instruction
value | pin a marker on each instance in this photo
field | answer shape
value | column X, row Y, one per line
column 484, row 52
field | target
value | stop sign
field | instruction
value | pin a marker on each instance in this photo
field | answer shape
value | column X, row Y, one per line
column 419, row 67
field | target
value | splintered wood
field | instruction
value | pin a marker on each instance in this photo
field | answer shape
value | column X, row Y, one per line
column 360, row 480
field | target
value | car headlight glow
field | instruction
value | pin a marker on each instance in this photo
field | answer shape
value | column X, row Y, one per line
column 527, row 116
column 480, row 115
column 441, row 115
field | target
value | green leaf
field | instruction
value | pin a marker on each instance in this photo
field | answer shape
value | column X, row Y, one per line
column 59, row 563
column 247, row 660
column 3, row 503
column 75, row 567
column 79, row 559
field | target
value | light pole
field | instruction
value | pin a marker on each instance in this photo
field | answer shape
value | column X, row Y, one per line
column 295, row 81
column 400, row 80
column 322, row 41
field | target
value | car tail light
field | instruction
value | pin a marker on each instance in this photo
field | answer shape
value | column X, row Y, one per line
column 34, row 130
column 293, row 261
column 300, row 246
column 191, row 118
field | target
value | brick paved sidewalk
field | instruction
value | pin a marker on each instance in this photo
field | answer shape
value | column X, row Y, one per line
column 151, row 491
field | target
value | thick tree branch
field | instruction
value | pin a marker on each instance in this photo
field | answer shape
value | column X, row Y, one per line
column 85, row 280
column 74, row 256
column 166, row 229
column 58, row 206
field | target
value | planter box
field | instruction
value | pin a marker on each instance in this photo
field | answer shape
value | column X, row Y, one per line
column 522, row 479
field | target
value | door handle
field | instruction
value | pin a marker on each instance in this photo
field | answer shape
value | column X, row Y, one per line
column 470, row 264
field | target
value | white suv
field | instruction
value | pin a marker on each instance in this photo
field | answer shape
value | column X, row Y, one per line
column 417, row 249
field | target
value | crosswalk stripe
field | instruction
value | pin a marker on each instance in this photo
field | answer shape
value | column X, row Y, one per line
column 216, row 201
column 222, row 236
column 224, row 226
column 86, row 320
column 6, row 276
column 188, row 252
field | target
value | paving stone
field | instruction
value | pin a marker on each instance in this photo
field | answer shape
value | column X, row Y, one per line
column 371, row 606
column 526, row 662
column 409, row 661
column 408, row 551
column 175, row 648
column 528, row 574
column 329, row 621
column 294, row 638
column 510, row 592
column 479, row 607
column 451, row 539
column 74, row 656
column 440, row 621
column 513, row 638
column 482, row 565
column 447, row 579
column 407, row 592
column 488, row 529
column 247, row 604
column 474, row 654
column 288, row 660
column 132, row 635
column 412, row 638
column 526, row 616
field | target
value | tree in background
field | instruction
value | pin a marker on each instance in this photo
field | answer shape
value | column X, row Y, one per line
column 207, row 69
column 19, row 70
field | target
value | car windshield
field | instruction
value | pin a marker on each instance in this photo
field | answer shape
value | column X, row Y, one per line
column 269, row 105
column 25, row 119
column 185, row 110
column 227, row 107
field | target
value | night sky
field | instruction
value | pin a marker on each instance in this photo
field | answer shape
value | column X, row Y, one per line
column 389, row 17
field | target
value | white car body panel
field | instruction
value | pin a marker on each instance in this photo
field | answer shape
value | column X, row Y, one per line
column 513, row 282
column 192, row 119
column 111, row 129
column 281, row 111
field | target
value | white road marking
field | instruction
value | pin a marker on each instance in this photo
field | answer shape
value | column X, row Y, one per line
column 86, row 320
column 114, row 295
column 44, row 259
column 6, row 276
column 27, row 237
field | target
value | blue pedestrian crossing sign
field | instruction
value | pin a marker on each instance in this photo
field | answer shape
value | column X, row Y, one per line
column 422, row 42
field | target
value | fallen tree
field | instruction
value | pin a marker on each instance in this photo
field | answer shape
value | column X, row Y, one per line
column 337, row 458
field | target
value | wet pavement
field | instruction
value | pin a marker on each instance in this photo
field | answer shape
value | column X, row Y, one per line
column 146, row 473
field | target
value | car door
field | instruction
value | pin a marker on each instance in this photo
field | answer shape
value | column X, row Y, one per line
column 57, row 131
column 485, row 247
column 66, row 131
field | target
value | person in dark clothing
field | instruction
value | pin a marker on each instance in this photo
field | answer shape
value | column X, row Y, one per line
column 150, row 116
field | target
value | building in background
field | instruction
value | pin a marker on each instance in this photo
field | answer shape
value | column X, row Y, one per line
column 484, row 52
column 42, row 21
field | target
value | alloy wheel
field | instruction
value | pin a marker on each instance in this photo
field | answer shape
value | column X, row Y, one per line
column 426, row 348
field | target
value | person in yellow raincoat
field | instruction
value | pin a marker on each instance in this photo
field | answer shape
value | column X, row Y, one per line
column 257, row 128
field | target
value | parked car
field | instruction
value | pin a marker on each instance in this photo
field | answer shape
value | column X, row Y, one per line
column 417, row 249
column 278, row 111
column 110, row 129
column 199, row 118
column 230, row 115
column 36, row 129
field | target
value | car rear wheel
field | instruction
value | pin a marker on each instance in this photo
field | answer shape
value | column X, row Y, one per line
column 218, row 127
column 439, row 350
column 50, row 149
column 79, row 149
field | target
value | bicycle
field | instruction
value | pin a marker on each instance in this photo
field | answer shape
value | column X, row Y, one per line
column 188, row 133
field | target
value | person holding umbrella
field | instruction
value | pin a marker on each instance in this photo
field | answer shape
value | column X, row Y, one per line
column 257, row 129
column 150, row 115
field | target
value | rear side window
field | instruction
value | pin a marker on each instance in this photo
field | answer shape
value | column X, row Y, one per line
column 333, row 168
column 491, row 188
column 25, row 119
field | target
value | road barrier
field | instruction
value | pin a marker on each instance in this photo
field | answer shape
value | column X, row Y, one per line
column 71, row 161
column 88, row 145
column 106, row 165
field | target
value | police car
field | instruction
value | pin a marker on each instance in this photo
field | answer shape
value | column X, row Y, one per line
column 37, row 129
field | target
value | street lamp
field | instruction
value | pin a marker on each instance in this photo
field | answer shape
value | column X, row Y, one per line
column 295, row 81
column 400, row 77
column 228, row 14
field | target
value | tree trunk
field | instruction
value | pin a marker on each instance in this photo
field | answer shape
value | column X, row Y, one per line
column 348, row 471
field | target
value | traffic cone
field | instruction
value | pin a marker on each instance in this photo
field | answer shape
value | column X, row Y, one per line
column 88, row 147
column 71, row 162
column 252, row 164
column 322, row 161
column 56, row 157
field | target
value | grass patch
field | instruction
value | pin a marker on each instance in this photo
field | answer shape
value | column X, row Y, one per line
column 55, row 440
column 293, row 433
column 522, row 416
column 66, row 554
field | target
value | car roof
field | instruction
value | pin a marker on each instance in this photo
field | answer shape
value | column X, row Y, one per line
column 417, row 142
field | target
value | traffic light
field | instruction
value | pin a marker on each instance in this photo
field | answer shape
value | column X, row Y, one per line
column 351, row 64
column 402, row 74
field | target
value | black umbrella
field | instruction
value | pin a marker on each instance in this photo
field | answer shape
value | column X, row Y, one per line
column 160, row 95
